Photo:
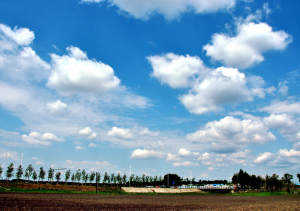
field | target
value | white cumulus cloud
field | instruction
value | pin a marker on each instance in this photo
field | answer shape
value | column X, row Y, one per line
column 120, row 133
column 291, row 153
column 87, row 131
column 146, row 154
column 220, row 87
column 282, row 122
column 57, row 108
column 22, row 36
column 246, row 48
column 75, row 73
column 175, row 70
column 45, row 139
column 230, row 133
column 264, row 157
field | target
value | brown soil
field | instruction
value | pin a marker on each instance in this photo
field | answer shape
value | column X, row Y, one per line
column 80, row 188
column 34, row 201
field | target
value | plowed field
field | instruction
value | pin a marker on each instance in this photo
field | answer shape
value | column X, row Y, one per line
column 33, row 201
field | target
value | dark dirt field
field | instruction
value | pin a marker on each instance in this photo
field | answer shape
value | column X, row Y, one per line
column 42, row 201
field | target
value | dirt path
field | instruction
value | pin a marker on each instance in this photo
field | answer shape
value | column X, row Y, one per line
column 33, row 201
column 160, row 190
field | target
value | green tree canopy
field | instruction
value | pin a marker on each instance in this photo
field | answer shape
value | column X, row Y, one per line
column 9, row 171
column 42, row 174
column 19, row 173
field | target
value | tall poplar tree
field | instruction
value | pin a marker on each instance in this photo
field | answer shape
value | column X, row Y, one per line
column 19, row 173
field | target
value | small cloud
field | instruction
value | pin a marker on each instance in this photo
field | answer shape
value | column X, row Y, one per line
column 146, row 154
column 54, row 46
column 79, row 148
column 92, row 145
column 120, row 133
column 186, row 163
column 153, row 44
column 87, row 131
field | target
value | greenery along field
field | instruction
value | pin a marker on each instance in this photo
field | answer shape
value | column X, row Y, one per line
column 242, row 180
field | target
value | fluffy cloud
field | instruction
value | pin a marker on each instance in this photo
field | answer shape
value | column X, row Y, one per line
column 282, row 107
column 120, row 133
column 219, row 87
column 57, row 108
column 175, row 70
column 45, row 139
column 264, row 157
column 170, row 9
column 282, row 122
column 187, row 153
column 210, row 88
column 22, row 36
column 75, row 73
column 186, row 163
column 246, row 48
column 230, row 133
column 291, row 153
column 146, row 154
column 87, row 131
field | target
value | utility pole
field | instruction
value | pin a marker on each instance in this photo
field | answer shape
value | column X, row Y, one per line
column 191, row 176
column 129, row 175
column 4, row 165
column 22, row 159
column 107, row 174
column 169, row 180
column 96, row 182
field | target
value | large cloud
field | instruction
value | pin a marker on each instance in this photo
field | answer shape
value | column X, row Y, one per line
column 75, row 73
column 46, row 139
column 220, row 87
column 230, row 134
column 246, row 48
column 282, row 122
column 170, row 9
column 175, row 70
column 211, row 89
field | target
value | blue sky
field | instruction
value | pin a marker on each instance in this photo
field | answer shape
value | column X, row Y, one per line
column 165, row 86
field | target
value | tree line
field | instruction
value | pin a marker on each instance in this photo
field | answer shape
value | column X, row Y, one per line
column 270, row 182
column 82, row 177
column 242, row 178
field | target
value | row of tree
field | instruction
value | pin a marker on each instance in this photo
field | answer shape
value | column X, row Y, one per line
column 272, row 182
column 242, row 178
